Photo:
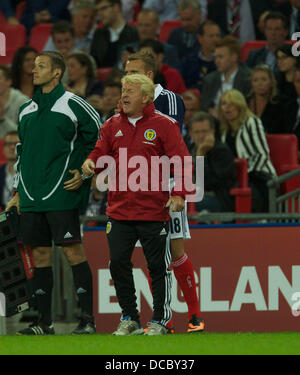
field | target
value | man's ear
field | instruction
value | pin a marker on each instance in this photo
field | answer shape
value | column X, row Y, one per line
column 146, row 99
column 150, row 75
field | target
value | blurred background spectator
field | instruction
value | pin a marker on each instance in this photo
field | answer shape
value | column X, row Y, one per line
column 276, row 32
column 230, row 74
column 108, row 40
column 44, row 11
column 7, row 171
column 184, row 38
column 244, row 134
column 10, row 102
column 108, row 102
column 238, row 17
column 219, row 167
column 192, row 105
column 263, row 99
column 286, row 63
column 62, row 38
column 82, row 75
column 197, row 64
column 83, row 27
column 21, row 70
column 148, row 27
column 173, row 80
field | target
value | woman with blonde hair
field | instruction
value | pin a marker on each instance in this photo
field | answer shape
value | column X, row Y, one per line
column 244, row 134
column 263, row 99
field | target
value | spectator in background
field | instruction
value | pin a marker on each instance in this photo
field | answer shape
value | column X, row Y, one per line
column 7, row 171
column 286, row 63
column 174, row 81
column 106, row 104
column 167, row 9
column 108, row 40
column 291, row 110
column 62, row 38
column 244, row 134
column 81, row 74
column 195, row 66
column 276, row 31
column 261, row 25
column 230, row 74
column 21, row 70
column 83, row 18
column 44, row 11
column 291, row 10
column 148, row 28
column 128, row 7
column 219, row 167
column 192, row 105
column 10, row 102
column 263, row 99
column 8, row 9
column 238, row 18
column 184, row 38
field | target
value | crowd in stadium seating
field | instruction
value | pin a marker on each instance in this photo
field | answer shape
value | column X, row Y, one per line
column 202, row 48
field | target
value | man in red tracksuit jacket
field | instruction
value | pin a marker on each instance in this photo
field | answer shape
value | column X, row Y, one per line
column 136, row 210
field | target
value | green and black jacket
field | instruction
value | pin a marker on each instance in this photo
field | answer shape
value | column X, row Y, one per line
column 57, row 132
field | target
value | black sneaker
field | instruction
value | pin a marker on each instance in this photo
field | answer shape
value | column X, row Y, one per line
column 196, row 324
column 85, row 327
column 37, row 329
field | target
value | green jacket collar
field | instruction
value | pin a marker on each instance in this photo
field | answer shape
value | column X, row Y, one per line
column 49, row 98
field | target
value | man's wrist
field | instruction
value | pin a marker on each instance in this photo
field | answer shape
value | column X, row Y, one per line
column 85, row 177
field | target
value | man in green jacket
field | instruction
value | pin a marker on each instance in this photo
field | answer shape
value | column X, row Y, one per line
column 57, row 131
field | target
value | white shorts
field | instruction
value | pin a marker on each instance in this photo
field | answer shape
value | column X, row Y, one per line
column 179, row 226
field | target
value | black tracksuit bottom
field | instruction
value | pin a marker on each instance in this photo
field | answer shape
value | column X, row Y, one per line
column 122, row 236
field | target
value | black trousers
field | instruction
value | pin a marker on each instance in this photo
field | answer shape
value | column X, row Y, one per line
column 122, row 237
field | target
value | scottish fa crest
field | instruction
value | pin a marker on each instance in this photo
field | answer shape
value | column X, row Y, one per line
column 150, row 134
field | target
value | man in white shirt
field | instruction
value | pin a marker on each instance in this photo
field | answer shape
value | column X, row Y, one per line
column 230, row 74
column 10, row 102
column 108, row 40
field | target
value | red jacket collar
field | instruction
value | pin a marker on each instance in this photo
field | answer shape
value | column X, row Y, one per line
column 148, row 110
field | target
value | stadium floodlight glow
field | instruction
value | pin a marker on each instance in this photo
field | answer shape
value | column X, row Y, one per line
column 2, row 304
column 2, row 44
column 138, row 173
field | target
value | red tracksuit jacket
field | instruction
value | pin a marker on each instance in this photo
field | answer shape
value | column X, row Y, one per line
column 154, row 134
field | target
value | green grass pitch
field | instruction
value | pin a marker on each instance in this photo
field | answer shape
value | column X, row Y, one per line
column 177, row 344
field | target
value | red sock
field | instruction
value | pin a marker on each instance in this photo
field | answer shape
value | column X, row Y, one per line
column 184, row 273
column 170, row 324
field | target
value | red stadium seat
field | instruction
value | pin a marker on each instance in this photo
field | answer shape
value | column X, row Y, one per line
column 39, row 36
column 7, row 60
column 242, row 193
column 15, row 35
column 166, row 28
column 2, row 157
column 283, row 152
column 20, row 10
column 250, row 46
column 284, row 156
column 102, row 73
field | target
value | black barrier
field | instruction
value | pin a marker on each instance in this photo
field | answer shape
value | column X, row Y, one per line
column 13, row 280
